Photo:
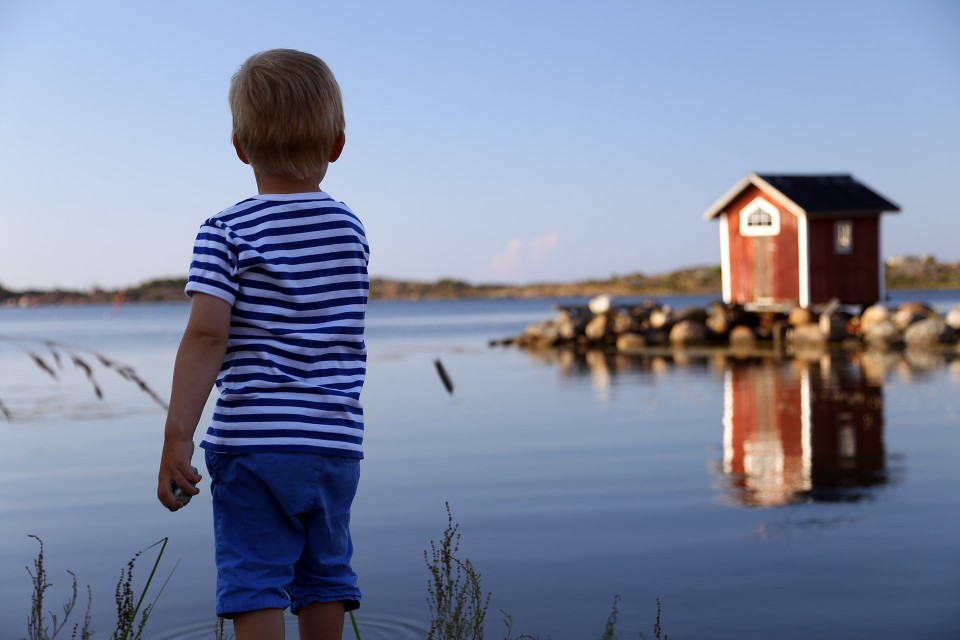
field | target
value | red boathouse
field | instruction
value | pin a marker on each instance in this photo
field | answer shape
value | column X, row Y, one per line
column 800, row 239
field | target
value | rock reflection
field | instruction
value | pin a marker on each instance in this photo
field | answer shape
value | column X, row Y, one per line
column 804, row 430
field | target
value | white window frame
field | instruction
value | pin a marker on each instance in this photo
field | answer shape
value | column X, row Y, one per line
column 761, row 204
column 843, row 237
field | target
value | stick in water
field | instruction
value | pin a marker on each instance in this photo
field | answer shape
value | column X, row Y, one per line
column 444, row 378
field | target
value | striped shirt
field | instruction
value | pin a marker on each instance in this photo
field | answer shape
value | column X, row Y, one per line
column 294, row 268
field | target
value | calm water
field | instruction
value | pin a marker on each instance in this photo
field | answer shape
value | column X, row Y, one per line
column 762, row 499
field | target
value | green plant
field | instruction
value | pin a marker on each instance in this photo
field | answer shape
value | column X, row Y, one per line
column 132, row 615
column 657, row 630
column 36, row 629
column 128, row 626
column 51, row 357
column 457, row 603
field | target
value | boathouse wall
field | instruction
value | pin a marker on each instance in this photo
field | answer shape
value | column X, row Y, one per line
column 851, row 277
column 763, row 267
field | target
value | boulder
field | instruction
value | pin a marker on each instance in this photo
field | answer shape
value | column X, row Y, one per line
column 927, row 333
column 953, row 318
column 873, row 315
column 696, row 314
column 833, row 326
column 882, row 335
column 661, row 318
column 600, row 304
column 742, row 336
column 598, row 328
column 569, row 327
column 807, row 335
column 688, row 332
column 904, row 317
column 624, row 323
column 919, row 308
column 543, row 333
column 631, row 342
column 800, row 316
column 656, row 337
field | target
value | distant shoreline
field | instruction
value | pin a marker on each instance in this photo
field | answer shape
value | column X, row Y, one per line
column 910, row 272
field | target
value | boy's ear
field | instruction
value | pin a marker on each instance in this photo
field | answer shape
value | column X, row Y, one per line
column 337, row 148
column 240, row 153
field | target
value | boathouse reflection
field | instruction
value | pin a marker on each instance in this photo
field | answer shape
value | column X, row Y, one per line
column 801, row 431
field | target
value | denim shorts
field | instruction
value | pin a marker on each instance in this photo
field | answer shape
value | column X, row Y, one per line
column 281, row 524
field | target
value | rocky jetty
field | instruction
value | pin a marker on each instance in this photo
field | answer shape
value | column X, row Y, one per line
column 604, row 324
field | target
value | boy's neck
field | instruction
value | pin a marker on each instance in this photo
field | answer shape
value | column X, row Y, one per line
column 267, row 184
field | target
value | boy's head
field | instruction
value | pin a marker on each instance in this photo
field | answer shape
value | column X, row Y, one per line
column 287, row 112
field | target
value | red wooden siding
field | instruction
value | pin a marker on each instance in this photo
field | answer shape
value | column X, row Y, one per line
column 851, row 278
column 778, row 253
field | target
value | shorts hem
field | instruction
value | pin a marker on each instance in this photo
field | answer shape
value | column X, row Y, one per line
column 350, row 602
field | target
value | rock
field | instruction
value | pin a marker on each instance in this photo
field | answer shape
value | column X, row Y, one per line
column 624, row 323
column 800, row 316
column 631, row 342
column 807, row 335
column 717, row 320
column 598, row 328
column 927, row 333
column 911, row 312
column 600, row 304
column 543, row 333
column 656, row 337
column 741, row 336
column 919, row 308
column 871, row 316
column 833, row 326
column 570, row 327
column 688, row 332
column 696, row 314
column 882, row 335
column 953, row 318
column 661, row 318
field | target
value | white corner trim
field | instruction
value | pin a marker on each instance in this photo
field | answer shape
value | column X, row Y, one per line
column 803, row 253
column 725, row 258
column 806, row 428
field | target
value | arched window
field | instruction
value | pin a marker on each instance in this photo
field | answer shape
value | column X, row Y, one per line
column 759, row 218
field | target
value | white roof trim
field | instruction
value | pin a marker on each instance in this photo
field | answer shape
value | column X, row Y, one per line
column 752, row 179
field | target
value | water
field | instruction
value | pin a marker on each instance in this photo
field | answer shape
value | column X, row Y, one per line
column 755, row 499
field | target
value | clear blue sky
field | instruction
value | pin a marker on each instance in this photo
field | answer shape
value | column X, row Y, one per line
column 490, row 141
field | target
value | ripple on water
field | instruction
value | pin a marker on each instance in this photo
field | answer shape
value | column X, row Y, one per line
column 371, row 627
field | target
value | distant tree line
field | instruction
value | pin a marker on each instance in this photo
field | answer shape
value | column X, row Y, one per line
column 906, row 272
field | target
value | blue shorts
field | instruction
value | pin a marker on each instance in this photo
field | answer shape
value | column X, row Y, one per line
column 281, row 523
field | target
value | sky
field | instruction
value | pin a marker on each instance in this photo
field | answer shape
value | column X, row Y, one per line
column 497, row 141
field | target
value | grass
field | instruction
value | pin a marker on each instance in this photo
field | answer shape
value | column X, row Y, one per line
column 54, row 358
column 132, row 612
column 458, row 604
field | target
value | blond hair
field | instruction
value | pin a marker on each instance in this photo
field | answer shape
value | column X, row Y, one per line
column 287, row 112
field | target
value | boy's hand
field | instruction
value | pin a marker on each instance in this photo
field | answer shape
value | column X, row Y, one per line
column 175, row 469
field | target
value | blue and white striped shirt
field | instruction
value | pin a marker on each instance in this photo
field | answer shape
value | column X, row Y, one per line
column 294, row 267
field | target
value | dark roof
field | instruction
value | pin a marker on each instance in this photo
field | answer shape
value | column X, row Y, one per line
column 828, row 193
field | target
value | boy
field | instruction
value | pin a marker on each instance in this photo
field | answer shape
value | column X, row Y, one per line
column 278, row 288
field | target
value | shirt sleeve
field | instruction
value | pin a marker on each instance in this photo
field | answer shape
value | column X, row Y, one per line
column 213, row 270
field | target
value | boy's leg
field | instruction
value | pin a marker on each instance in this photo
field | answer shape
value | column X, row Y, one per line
column 263, row 624
column 321, row 621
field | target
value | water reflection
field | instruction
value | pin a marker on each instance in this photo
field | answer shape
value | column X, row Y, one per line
column 798, row 429
column 802, row 430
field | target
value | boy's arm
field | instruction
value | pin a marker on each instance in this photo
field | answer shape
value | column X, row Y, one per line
column 199, row 357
